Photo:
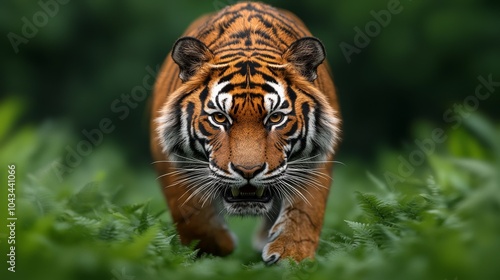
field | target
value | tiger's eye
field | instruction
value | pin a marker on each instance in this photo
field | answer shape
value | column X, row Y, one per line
column 276, row 117
column 219, row 118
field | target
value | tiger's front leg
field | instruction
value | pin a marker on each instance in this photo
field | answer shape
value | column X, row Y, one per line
column 197, row 221
column 296, row 232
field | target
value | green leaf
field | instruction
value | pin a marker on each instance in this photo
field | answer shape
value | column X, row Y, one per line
column 10, row 110
column 381, row 185
column 483, row 129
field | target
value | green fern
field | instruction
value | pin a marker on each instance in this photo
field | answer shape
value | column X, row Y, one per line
column 88, row 199
column 146, row 220
column 108, row 232
column 362, row 234
column 440, row 224
column 411, row 208
column 377, row 210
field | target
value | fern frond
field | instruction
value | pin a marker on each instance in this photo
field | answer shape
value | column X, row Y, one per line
column 375, row 208
column 363, row 234
column 108, row 232
column 411, row 209
column 146, row 220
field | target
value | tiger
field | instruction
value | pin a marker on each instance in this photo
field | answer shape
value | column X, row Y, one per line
column 245, row 121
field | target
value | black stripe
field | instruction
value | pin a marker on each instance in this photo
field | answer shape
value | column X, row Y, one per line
column 263, row 55
column 280, row 23
column 292, row 95
column 305, row 116
column 227, row 21
column 229, row 43
column 282, row 18
column 260, row 108
column 268, row 78
column 288, row 82
column 233, row 56
column 211, row 105
column 263, row 34
column 292, row 130
column 265, row 43
column 272, row 28
column 189, row 122
column 287, row 22
column 176, row 127
column 227, row 88
column 285, row 104
column 191, row 119
column 203, row 130
column 267, row 88
column 203, row 95
column 242, row 34
column 236, row 108
column 247, row 49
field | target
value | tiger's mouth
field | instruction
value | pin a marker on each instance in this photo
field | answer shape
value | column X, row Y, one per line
column 247, row 193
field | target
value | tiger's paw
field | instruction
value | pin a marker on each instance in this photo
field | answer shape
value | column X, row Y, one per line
column 222, row 243
column 287, row 245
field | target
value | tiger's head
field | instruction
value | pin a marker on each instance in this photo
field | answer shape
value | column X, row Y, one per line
column 248, row 128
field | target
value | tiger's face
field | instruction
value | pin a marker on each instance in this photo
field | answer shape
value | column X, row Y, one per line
column 247, row 132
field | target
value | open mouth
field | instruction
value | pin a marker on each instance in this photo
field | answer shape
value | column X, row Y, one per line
column 247, row 193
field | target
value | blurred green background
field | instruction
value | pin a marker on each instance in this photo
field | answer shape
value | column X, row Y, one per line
column 68, row 70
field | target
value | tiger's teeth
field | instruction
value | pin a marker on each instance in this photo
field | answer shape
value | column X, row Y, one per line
column 259, row 192
column 235, row 192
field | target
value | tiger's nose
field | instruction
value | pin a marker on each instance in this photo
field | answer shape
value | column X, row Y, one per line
column 248, row 172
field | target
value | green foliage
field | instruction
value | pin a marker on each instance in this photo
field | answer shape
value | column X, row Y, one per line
column 106, row 219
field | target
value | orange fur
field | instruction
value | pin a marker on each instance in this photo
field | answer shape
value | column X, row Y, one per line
column 259, row 34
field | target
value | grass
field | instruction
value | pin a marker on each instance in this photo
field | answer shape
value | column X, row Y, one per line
column 106, row 218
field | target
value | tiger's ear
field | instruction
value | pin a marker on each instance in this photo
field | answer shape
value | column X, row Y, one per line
column 306, row 54
column 190, row 54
